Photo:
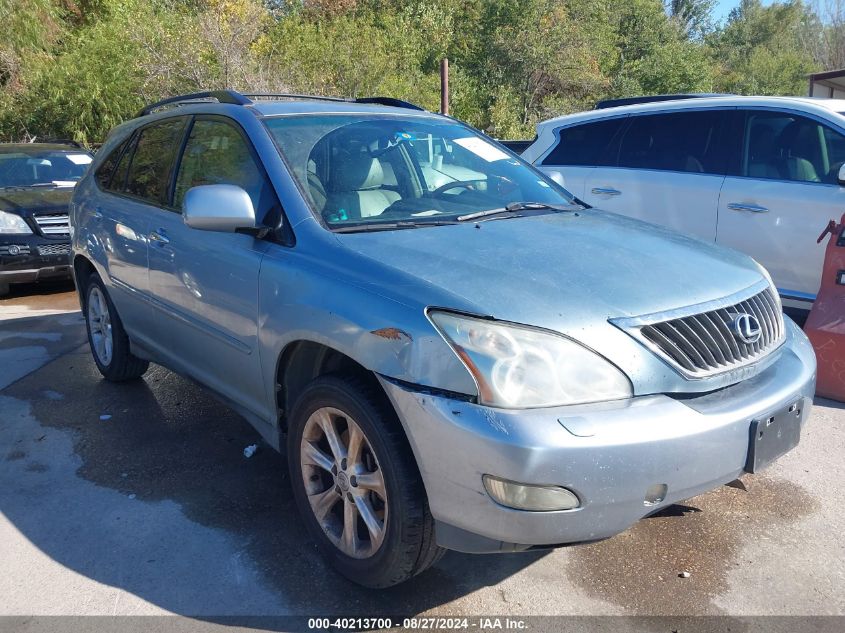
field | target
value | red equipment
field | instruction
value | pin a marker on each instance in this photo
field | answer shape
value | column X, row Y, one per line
column 826, row 324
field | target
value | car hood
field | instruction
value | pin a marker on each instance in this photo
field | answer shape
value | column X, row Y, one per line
column 563, row 271
column 24, row 201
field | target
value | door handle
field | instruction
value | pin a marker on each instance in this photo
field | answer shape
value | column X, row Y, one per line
column 743, row 206
column 159, row 237
column 606, row 191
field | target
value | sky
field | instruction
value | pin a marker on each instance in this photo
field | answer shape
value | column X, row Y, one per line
column 723, row 8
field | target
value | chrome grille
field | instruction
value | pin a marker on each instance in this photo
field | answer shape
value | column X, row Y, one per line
column 54, row 249
column 706, row 343
column 55, row 224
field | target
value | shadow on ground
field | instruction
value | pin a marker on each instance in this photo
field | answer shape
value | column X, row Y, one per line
column 167, row 440
column 41, row 292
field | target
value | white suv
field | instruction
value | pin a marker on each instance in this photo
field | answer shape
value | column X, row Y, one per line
column 758, row 174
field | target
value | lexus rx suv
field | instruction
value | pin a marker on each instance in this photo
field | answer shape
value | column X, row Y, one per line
column 453, row 351
column 36, row 183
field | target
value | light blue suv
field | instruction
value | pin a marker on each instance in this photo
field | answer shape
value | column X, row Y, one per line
column 455, row 352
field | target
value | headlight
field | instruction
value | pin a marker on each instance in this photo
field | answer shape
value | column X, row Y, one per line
column 11, row 224
column 516, row 366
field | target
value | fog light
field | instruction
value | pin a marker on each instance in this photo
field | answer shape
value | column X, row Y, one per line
column 655, row 494
column 528, row 497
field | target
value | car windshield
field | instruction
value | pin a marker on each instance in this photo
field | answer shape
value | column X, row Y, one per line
column 371, row 170
column 52, row 168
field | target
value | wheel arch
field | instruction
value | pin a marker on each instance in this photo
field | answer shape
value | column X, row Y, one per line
column 82, row 270
column 303, row 360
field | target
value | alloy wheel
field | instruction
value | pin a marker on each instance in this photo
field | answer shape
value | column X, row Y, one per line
column 99, row 326
column 344, row 482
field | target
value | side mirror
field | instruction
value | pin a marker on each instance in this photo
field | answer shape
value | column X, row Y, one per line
column 223, row 208
column 840, row 178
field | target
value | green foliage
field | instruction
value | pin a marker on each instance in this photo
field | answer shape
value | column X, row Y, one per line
column 761, row 49
column 75, row 68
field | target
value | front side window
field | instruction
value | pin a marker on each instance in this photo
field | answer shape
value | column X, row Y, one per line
column 589, row 144
column 786, row 146
column 216, row 154
column 676, row 141
column 42, row 168
column 152, row 160
column 368, row 169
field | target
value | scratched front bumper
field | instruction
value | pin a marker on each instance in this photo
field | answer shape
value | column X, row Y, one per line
column 690, row 444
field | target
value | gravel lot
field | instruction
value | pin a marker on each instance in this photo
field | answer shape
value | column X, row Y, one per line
column 155, row 510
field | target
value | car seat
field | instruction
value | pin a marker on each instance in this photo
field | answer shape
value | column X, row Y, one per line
column 762, row 155
column 356, row 188
column 795, row 147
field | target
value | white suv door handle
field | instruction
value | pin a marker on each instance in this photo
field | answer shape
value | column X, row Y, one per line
column 606, row 191
column 742, row 206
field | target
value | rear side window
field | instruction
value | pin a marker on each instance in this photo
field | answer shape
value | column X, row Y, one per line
column 590, row 144
column 107, row 168
column 118, row 181
column 217, row 154
column 152, row 161
column 677, row 141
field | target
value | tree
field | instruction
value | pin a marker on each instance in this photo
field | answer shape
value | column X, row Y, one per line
column 824, row 34
column 761, row 49
column 694, row 18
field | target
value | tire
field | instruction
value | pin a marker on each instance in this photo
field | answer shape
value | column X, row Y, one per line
column 406, row 544
column 4, row 288
column 106, row 336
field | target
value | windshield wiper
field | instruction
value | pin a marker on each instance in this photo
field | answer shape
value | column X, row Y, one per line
column 388, row 226
column 519, row 206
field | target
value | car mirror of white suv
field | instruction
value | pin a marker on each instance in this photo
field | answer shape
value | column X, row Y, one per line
column 222, row 208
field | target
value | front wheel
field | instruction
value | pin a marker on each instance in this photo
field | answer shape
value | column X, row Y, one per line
column 108, row 340
column 357, row 485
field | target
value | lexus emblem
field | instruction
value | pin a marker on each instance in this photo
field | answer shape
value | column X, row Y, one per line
column 746, row 328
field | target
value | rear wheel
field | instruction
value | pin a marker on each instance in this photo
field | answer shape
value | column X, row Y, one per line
column 357, row 485
column 106, row 336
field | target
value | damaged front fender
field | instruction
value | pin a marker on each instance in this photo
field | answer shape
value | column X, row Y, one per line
column 389, row 337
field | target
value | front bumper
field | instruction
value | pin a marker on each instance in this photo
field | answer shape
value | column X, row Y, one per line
column 609, row 454
column 28, row 258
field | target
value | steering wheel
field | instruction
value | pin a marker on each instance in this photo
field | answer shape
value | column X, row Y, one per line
column 463, row 184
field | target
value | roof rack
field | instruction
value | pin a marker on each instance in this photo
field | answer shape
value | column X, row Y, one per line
column 286, row 95
column 389, row 101
column 612, row 103
column 236, row 98
column 221, row 96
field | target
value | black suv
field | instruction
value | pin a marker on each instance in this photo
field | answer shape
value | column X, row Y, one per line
column 36, row 183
